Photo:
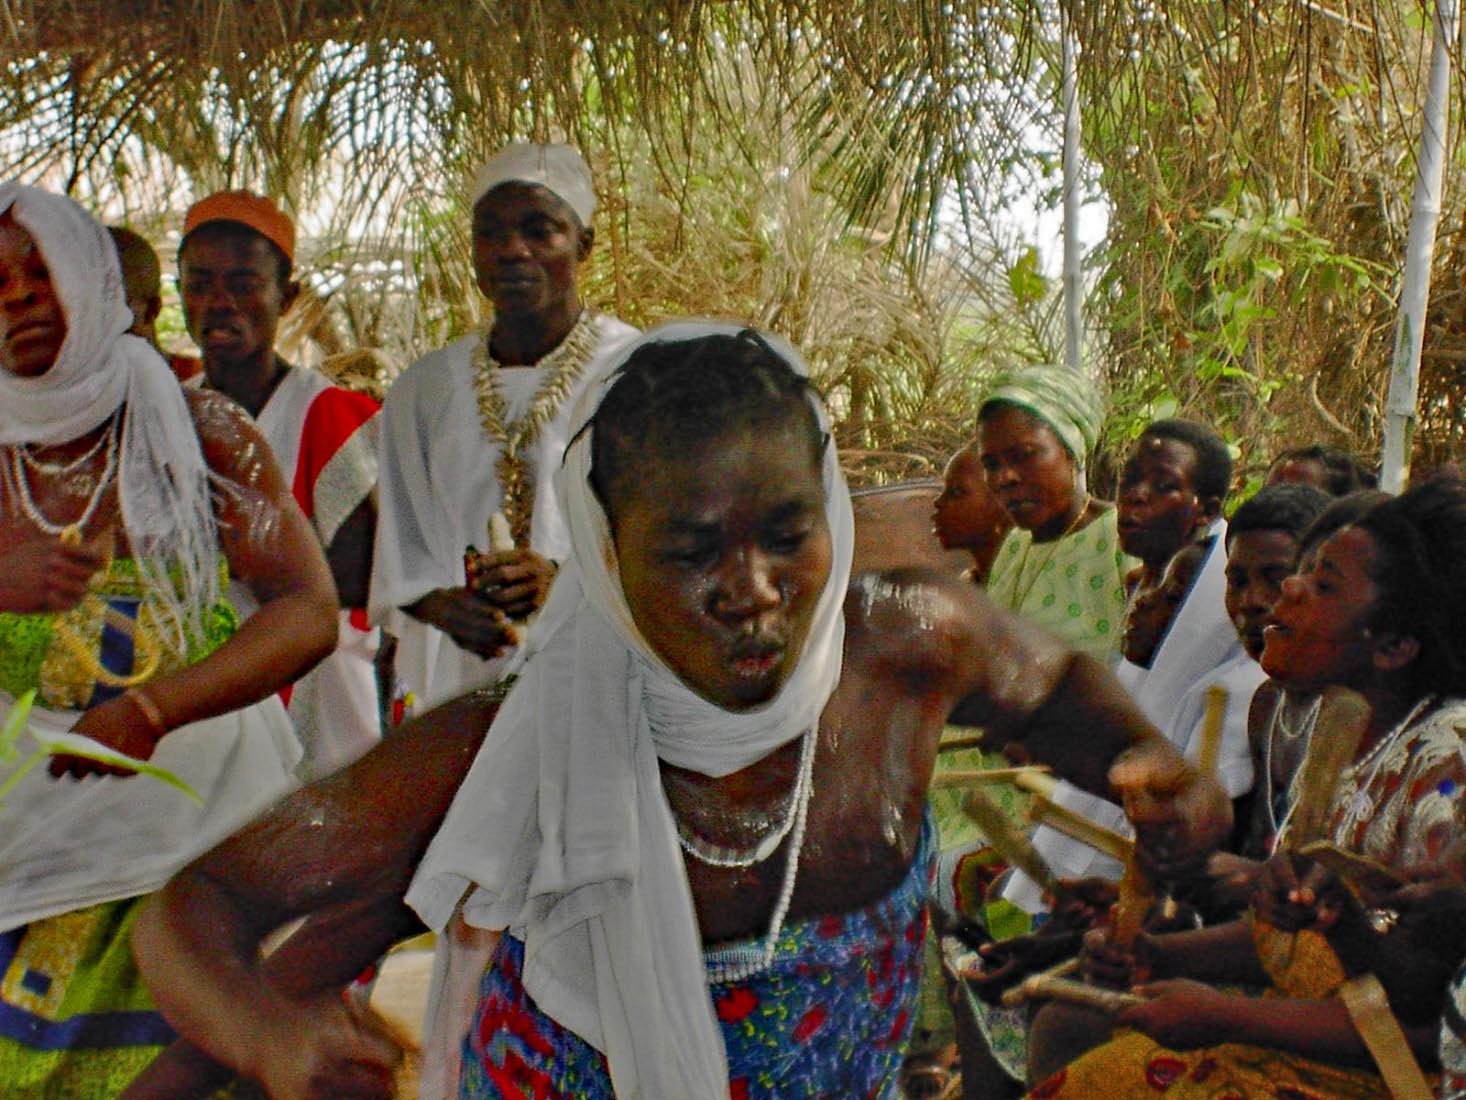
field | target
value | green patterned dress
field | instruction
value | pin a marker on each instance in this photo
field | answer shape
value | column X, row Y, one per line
column 76, row 1021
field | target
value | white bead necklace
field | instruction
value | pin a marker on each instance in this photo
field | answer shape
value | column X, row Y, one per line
column 741, row 962
column 740, row 859
column 1280, row 725
column 57, row 469
column 74, row 529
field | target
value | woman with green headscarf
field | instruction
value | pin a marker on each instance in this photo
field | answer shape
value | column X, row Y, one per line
column 1061, row 566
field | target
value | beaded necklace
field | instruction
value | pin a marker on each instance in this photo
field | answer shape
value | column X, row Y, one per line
column 725, row 856
column 1278, row 724
column 739, row 963
column 561, row 367
column 20, row 459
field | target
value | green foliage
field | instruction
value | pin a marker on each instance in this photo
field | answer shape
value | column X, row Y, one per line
column 20, row 767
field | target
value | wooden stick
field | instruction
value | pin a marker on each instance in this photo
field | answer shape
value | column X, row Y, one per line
column 981, row 775
column 1342, row 719
column 1022, row 991
column 1078, row 993
column 956, row 743
column 1007, row 841
column 1137, row 896
column 1211, row 730
column 1047, row 812
column 1037, row 782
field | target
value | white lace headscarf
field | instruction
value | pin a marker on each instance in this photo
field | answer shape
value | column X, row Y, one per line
column 562, row 832
column 161, row 477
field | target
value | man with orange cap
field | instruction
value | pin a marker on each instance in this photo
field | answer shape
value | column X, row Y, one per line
column 234, row 265
column 472, row 432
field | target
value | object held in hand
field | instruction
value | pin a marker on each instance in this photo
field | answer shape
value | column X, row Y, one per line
column 1055, row 985
column 500, row 537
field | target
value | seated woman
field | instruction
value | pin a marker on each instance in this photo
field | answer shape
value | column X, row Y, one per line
column 124, row 505
column 1380, row 613
column 699, row 813
column 1063, row 566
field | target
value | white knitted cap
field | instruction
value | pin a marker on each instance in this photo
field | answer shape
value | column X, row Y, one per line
column 560, row 169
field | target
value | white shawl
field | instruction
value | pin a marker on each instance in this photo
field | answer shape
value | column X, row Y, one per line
column 162, row 480
column 562, row 832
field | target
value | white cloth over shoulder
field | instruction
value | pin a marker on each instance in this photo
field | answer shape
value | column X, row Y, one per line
column 67, row 844
column 334, row 705
column 1200, row 650
column 562, row 833
column 439, row 484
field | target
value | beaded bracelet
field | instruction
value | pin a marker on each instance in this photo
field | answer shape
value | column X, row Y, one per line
column 149, row 710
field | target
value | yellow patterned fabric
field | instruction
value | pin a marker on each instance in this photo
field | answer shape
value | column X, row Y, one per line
column 114, row 627
column 1073, row 586
column 76, row 1022
column 1133, row 1066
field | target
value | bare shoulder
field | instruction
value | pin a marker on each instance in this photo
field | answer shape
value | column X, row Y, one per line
column 940, row 633
column 933, row 611
column 231, row 440
column 918, row 618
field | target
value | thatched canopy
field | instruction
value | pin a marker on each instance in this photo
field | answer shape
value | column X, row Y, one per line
column 837, row 170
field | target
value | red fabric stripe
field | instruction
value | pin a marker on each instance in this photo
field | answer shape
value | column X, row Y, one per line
column 333, row 417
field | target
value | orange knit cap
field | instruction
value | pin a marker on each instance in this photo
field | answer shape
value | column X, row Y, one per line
column 247, row 208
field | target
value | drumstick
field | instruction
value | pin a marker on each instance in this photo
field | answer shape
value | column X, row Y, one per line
column 1077, row 993
column 989, row 775
column 1045, row 811
column 1211, row 730
column 1007, row 841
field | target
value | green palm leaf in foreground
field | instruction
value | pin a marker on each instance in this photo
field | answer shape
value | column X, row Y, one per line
column 47, row 747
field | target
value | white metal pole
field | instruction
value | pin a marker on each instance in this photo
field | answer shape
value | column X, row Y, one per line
column 1073, row 279
column 1425, row 209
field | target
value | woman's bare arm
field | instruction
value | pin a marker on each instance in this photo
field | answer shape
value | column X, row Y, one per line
column 271, row 548
column 340, row 852
column 1021, row 684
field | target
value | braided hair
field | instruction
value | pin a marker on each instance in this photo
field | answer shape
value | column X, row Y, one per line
column 671, row 397
column 1420, row 571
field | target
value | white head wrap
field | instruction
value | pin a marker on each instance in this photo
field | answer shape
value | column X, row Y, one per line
column 161, row 477
column 562, row 831
column 559, row 169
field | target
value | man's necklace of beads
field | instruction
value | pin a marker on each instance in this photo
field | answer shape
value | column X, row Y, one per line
column 750, row 959
column 21, row 460
column 561, row 366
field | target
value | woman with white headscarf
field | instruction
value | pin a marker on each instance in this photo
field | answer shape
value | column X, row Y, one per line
column 698, row 815
column 124, row 506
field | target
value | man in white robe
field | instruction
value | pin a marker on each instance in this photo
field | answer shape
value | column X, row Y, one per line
column 491, row 406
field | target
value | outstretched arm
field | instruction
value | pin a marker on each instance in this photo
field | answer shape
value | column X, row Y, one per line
column 340, row 852
column 1022, row 685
